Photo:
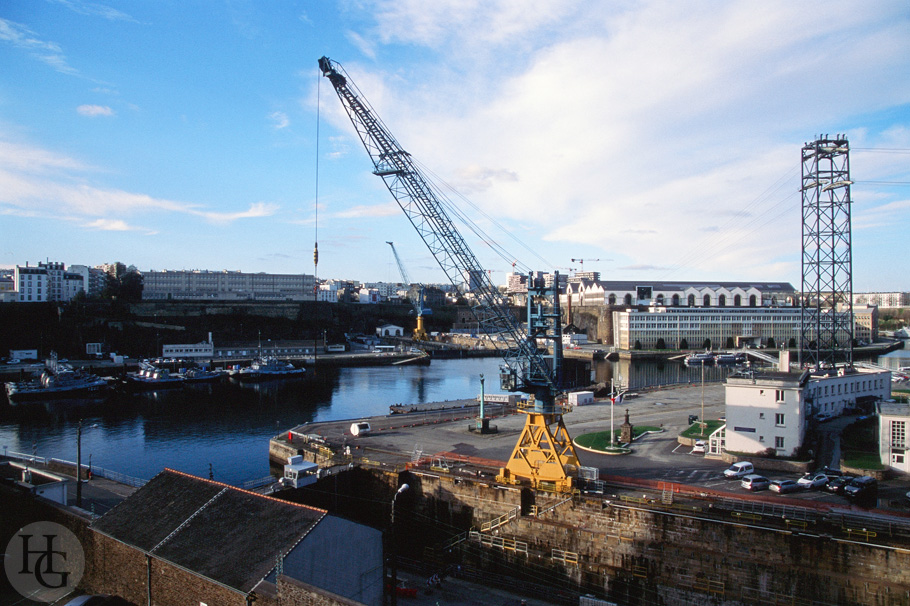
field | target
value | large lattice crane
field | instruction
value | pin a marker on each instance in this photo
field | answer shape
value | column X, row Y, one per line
column 420, row 334
column 544, row 454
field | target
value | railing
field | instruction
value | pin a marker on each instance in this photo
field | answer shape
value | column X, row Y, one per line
column 500, row 521
column 109, row 474
column 25, row 457
column 499, row 542
column 258, row 482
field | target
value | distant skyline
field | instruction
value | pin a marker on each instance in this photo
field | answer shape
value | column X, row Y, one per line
column 655, row 140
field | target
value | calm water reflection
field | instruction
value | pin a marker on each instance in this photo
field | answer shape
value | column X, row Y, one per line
column 228, row 426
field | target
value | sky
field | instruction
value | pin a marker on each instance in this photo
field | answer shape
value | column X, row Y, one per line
column 646, row 140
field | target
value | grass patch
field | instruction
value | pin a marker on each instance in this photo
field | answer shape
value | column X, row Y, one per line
column 862, row 460
column 694, row 430
column 600, row 440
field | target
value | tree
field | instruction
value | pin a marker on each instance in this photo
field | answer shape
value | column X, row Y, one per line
column 730, row 343
column 792, row 343
column 123, row 283
column 707, row 344
column 637, row 344
column 683, row 343
column 771, row 343
column 660, row 344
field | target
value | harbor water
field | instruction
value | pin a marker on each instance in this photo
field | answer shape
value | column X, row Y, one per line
column 223, row 429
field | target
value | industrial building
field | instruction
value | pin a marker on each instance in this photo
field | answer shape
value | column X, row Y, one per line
column 893, row 420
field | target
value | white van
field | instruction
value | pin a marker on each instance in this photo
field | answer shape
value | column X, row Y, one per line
column 360, row 429
column 739, row 470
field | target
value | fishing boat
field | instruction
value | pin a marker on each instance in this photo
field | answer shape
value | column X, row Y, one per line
column 58, row 380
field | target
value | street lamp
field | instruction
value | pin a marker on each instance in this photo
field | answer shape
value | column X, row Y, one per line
column 392, row 538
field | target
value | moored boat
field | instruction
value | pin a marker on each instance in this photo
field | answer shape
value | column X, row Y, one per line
column 150, row 377
column 57, row 380
column 267, row 368
column 202, row 375
column 700, row 359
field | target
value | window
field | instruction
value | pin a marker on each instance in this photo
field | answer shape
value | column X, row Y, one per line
column 761, row 415
column 779, row 395
column 898, row 433
column 779, row 419
column 778, row 442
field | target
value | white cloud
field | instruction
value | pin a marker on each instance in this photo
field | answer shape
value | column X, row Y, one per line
column 279, row 120
column 95, row 110
column 23, row 38
column 652, row 128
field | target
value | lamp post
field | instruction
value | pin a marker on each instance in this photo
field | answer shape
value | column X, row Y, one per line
column 393, row 546
column 612, row 401
column 79, row 465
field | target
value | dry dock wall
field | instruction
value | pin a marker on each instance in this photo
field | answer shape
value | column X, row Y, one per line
column 635, row 555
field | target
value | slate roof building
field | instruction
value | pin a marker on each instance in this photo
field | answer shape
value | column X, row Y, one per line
column 181, row 539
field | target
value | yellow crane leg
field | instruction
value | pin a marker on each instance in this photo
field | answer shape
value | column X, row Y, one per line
column 542, row 454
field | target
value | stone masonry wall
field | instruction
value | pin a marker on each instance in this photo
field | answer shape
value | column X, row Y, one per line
column 635, row 554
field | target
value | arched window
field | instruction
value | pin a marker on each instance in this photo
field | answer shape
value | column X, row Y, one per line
column 628, row 299
column 752, row 301
column 660, row 299
column 707, row 301
column 722, row 301
column 691, row 300
column 611, row 299
column 675, row 300
column 737, row 301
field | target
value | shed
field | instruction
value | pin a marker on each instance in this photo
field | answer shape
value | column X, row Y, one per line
column 184, row 539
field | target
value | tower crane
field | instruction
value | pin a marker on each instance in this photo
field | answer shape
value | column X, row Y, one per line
column 419, row 333
column 544, row 455
column 581, row 262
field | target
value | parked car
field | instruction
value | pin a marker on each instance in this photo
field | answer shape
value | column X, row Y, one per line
column 739, row 470
column 837, row 485
column 784, row 486
column 823, row 416
column 861, row 488
column 700, row 447
column 755, row 482
column 813, row 480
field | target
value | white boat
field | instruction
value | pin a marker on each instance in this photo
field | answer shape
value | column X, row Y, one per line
column 203, row 375
column 150, row 377
column 267, row 368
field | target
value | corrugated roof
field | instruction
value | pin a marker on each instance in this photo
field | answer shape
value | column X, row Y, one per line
column 229, row 535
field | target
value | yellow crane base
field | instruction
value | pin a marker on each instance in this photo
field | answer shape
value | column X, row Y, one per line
column 542, row 454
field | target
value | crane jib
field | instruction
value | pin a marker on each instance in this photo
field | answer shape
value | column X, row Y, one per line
column 532, row 368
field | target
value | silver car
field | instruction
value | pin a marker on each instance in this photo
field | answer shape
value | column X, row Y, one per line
column 755, row 482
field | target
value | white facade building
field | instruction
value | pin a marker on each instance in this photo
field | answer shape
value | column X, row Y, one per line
column 889, row 300
column 328, row 292
column 227, row 285
column 368, row 296
column 679, row 294
column 31, row 284
column 771, row 410
column 893, row 422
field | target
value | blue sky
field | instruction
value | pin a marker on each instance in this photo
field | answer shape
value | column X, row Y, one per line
column 660, row 138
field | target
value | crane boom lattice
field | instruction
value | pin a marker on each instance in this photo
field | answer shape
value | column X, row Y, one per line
column 528, row 366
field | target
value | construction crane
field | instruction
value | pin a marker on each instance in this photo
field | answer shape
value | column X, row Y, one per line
column 419, row 333
column 581, row 262
column 544, row 455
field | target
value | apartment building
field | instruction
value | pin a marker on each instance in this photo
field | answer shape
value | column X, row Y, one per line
column 226, row 285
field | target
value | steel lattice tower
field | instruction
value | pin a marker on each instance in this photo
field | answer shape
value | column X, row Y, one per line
column 826, row 319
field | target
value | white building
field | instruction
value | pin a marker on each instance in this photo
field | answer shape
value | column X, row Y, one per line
column 882, row 299
column 389, row 330
column 227, row 285
column 204, row 350
column 679, row 294
column 31, row 284
column 893, row 420
column 328, row 292
column 368, row 296
column 772, row 410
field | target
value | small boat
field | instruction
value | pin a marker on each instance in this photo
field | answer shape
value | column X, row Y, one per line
column 267, row 368
column 203, row 375
column 700, row 359
column 57, row 380
column 150, row 377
